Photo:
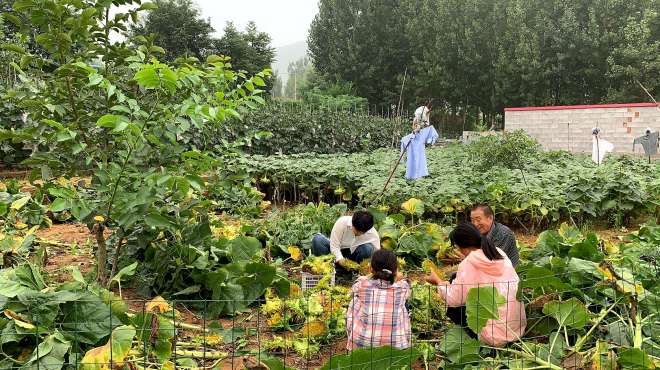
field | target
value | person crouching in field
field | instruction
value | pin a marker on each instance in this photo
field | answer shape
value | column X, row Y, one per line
column 484, row 265
column 377, row 315
column 353, row 238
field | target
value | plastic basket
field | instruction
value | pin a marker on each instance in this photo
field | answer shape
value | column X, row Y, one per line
column 310, row 281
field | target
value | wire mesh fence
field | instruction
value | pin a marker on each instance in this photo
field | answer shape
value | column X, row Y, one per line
column 566, row 323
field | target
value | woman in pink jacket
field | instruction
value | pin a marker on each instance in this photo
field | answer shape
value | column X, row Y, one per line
column 483, row 265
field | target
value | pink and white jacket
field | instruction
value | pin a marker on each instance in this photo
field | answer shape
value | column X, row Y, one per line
column 475, row 271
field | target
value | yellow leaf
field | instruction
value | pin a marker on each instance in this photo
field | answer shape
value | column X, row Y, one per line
column 99, row 218
column 113, row 353
column 312, row 329
column 264, row 204
column 606, row 273
column 429, row 267
column 20, row 225
column 3, row 187
column 274, row 320
column 349, row 265
column 61, row 181
column 447, row 209
column 295, row 253
column 294, row 290
column 413, row 206
column 158, row 305
column 32, row 230
column 611, row 248
column 19, row 203
column 365, row 267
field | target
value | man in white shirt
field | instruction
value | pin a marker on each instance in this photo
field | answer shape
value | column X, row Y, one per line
column 352, row 237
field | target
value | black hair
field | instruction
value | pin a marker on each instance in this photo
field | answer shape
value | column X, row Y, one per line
column 363, row 221
column 466, row 235
column 384, row 265
column 485, row 208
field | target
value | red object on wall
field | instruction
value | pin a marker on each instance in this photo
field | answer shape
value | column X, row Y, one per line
column 560, row 107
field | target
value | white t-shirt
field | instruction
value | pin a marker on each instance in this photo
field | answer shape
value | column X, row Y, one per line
column 342, row 237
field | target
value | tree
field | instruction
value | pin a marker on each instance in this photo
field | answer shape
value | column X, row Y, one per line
column 637, row 60
column 179, row 29
column 476, row 58
column 276, row 91
column 249, row 51
column 296, row 72
column 129, row 121
column 363, row 42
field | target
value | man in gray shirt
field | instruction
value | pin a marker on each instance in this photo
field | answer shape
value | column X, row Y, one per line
column 483, row 219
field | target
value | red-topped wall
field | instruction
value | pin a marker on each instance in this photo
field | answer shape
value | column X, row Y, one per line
column 569, row 127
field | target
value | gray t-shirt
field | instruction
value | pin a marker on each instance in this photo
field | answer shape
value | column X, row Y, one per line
column 649, row 143
column 503, row 238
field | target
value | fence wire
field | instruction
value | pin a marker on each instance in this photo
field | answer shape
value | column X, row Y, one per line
column 187, row 334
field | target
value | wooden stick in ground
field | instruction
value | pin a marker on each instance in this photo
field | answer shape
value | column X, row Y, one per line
column 392, row 172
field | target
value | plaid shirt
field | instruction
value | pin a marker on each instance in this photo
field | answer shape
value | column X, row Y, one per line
column 377, row 315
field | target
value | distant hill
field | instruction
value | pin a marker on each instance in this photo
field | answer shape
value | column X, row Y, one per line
column 287, row 54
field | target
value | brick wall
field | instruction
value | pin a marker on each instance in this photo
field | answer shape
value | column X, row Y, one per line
column 569, row 127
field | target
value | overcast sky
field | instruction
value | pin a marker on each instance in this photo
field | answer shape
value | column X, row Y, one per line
column 286, row 21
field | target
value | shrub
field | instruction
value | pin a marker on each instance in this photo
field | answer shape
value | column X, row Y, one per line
column 300, row 128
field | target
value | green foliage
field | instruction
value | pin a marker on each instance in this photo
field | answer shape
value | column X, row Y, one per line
column 249, row 50
column 511, row 150
column 297, row 226
column 178, row 29
column 364, row 44
column 550, row 188
column 367, row 358
column 303, row 128
column 69, row 319
column 482, row 304
column 141, row 127
column 570, row 313
column 459, row 347
column 427, row 310
column 517, row 54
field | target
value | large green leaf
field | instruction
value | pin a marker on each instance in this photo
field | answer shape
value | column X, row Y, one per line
column 148, row 78
column 482, row 304
column 257, row 278
column 88, row 319
column 587, row 249
column 634, row 358
column 158, row 221
column 458, row 347
column 244, row 248
column 570, row 313
column 49, row 354
column 125, row 272
column 541, row 277
column 374, row 358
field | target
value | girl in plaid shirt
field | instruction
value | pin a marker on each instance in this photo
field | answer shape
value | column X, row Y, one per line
column 377, row 315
